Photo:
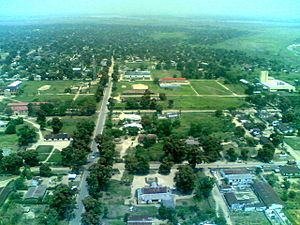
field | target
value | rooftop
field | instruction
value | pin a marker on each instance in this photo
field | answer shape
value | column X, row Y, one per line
column 266, row 193
column 289, row 169
column 36, row 192
column 235, row 171
column 154, row 190
column 173, row 79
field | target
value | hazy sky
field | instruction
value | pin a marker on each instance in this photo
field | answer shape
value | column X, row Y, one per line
column 249, row 8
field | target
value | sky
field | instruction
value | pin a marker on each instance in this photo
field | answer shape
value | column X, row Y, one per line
column 277, row 9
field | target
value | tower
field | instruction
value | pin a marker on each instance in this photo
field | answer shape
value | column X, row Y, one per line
column 264, row 76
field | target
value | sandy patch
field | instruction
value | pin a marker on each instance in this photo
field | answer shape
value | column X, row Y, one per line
column 44, row 88
column 1, row 98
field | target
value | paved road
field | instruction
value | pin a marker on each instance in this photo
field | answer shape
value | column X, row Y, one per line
column 83, row 187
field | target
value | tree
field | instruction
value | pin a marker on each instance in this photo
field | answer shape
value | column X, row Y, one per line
column 239, row 131
column 272, row 179
column 26, row 135
column 231, row 155
column 266, row 154
column 30, row 157
column 41, row 119
column 276, row 139
column 63, row 201
column 194, row 156
column 175, row 149
column 45, row 170
column 49, row 217
column 286, row 183
column 185, row 179
column 11, row 164
column 244, row 154
column 218, row 113
column 56, row 125
column 162, row 96
column 164, row 128
column 165, row 166
column 10, row 129
column 167, row 214
column 204, row 187
column 93, row 211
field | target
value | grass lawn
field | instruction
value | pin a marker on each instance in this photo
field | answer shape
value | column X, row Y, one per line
column 55, row 157
column 165, row 73
column 293, row 142
column 70, row 122
column 44, row 98
column 9, row 141
column 236, row 88
column 202, row 103
column 44, row 151
column 182, row 90
column 249, row 218
column 209, row 87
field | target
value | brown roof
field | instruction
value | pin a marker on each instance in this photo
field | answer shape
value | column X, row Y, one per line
column 154, row 190
column 266, row 193
column 235, row 171
column 173, row 79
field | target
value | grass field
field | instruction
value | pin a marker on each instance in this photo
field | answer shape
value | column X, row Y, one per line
column 209, row 87
column 44, row 98
column 165, row 73
column 9, row 141
column 70, row 122
column 202, row 103
column 236, row 88
column 249, row 218
column 44, row 151
column 183, row 90
column 293, row 142
column 55, row 158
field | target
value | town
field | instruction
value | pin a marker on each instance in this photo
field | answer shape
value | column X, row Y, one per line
column 119, row 124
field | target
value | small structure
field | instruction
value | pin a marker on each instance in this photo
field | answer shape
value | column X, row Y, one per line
column 36, row 192
column 3, row 124
column 232, row 201
column 274, row 85
column 285, row 129
column 267, row 195
column 14, row 86
column 137, row 75
column 140, row 220
column 237, row 177
column 154, row 194
column 134, row 125
column 137, row 92
column 72, row 176
column 172, row 82
column 58, row 137
column 130, row 117
column 191, row 141
column 21, row 108
column 290, row 171
column 143, row 137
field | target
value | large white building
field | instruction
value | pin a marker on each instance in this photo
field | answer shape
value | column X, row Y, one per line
column 274, row 85
column 237, row 177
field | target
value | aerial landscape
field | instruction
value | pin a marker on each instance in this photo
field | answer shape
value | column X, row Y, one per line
column 149, row 113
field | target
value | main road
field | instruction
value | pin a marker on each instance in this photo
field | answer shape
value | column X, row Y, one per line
column 83, row 187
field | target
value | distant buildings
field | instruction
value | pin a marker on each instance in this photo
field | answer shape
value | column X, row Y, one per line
column 274, row 85
column 172, row 82
column 14, row 86
column 154, row 194
column 290, row 171
column 57, row 137
column 237, row 177
column 137, row 75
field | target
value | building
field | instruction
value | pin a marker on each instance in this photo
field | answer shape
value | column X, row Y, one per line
column 233, row 203
column 172, row 82
column 237, row 177
column 58, row 137
column 21, row 108
column 191, row 141
column 290, row 171
column 36, row 192
column 285, row 129
column 14, row 86
column 134, row 125
column 130, row 117
column 140, row 220
column 154, row 194
column 267, row 195
column 143, row 137
column 137, row 75
column 3, row 124
column 274, row 85
column 137, row 92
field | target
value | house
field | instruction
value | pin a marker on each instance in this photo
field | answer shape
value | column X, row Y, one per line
column 267, row 195
column 137, row 75
column 172, row 115
column 134, row 125
column 58, row 137
column 285, row 129
column 237, row 177
column 290, row 171
column 153, row 194
column 192, row 142
column 21, row 108
column 140, row 220
column 233, row 203
column 137, row 92
column 14, row 86
column 144, row 137
column 172, row 82
column 3, row 124
column 130, row 117
column 36, row 192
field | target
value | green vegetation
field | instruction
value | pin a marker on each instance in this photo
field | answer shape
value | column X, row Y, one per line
column 249, row 218
column 55, row 158
column 169, row 35
column 209, row 87
column 71, row 121
column 165, row 73
column 9, row 142
column 44, row 151
column 293, row 142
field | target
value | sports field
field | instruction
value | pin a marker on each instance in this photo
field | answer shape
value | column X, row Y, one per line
column 209, row 87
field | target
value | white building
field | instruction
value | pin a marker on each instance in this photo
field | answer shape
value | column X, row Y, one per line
column 237, row 177
column 274, row 85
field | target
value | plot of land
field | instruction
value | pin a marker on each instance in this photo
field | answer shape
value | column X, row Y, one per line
column 209, row 87
column 236, row 88
column 293, row 142
column 165, row 73
column 249, row 218
column 9, row 142
column 44, row 88
column 183, row 90
column 44, row 151
column 70, row 122
column 55, row 158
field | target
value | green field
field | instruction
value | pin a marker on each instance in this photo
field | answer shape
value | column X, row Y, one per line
column 169, row 35
column 9, row 141
column 236, row 88
column 293, row 142
column 182, row 90
column 249, row 218
column 165, row 73
column 55, row 158
column 202, row 103
column 209, row 87
column 44, row 151
column 70, row 122
column 44, row 98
